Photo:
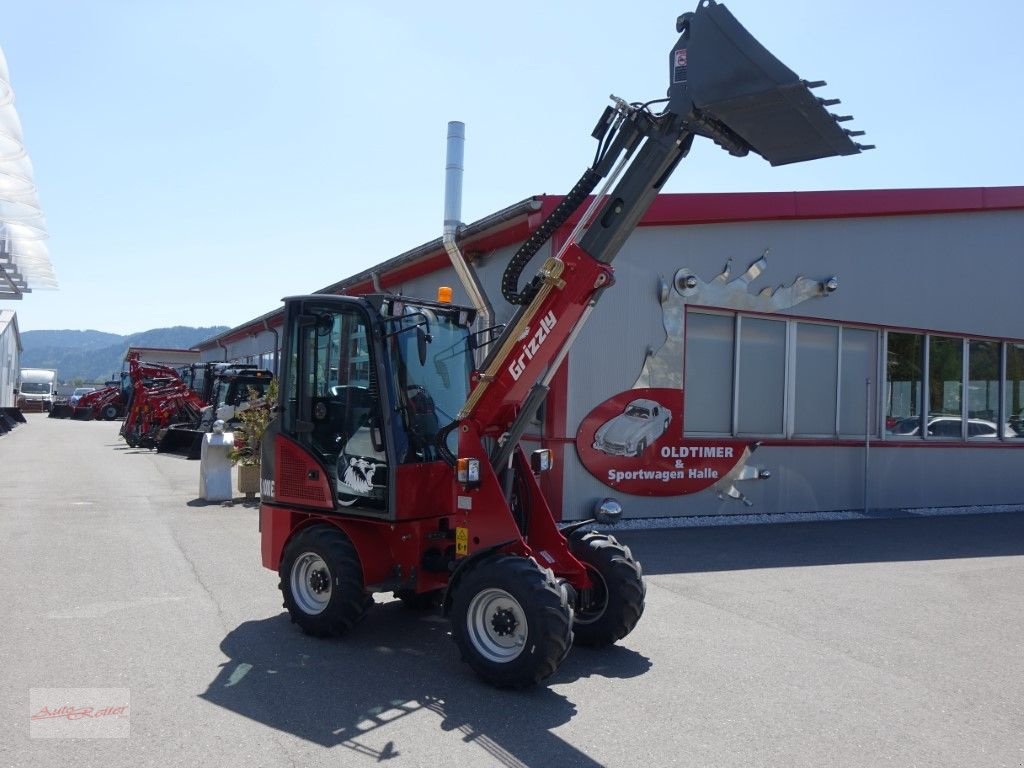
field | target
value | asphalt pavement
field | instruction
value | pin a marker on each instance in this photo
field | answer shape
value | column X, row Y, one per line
column 856, row 643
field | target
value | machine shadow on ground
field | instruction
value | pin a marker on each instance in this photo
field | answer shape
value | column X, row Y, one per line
column 352, row 692
column 742, row 547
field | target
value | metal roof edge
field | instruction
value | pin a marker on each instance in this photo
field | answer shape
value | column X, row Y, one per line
column 466, row 234
column 682, row 208
column 725, row 207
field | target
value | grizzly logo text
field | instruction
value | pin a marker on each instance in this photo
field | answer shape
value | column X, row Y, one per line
column 532, row 347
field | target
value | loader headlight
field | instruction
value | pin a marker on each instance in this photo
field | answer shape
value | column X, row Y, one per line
column 468, row 471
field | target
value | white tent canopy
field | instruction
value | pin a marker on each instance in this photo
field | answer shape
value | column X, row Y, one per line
column 24, row 257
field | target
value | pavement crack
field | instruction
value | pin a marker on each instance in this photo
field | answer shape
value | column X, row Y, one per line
column 199, row 579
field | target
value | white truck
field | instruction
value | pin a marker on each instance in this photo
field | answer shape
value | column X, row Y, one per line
column 36, row 389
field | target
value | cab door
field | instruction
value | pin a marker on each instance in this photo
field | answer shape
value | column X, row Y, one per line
column 332, row 404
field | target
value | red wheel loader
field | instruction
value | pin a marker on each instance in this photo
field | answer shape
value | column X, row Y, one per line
column 393, row 463
column 107, row 403
column 158, row 398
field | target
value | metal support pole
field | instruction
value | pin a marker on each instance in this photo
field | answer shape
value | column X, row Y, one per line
column 867, row 441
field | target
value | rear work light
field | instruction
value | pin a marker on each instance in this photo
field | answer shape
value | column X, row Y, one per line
column 468, row 471
column 541, row 461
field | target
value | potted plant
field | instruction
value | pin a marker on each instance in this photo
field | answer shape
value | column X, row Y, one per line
column 248, row 436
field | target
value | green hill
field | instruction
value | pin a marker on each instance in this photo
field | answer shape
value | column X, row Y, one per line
column 92, row 356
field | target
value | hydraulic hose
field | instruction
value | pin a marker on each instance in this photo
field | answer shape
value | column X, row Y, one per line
column 565, row 209
column 441, row 443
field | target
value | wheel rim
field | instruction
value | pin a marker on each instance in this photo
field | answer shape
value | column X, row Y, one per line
column 599, row 599
column 497, row 625
column 311, row 583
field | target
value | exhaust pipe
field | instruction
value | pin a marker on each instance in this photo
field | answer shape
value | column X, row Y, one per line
column 452, row 222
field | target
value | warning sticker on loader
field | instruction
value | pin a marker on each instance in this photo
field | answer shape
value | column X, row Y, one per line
column 679, row 66
column 461, row 541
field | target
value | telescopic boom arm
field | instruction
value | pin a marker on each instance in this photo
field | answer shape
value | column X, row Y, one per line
column 723, row 85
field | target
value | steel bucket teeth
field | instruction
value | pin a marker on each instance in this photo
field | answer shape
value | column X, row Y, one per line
column 729, row 80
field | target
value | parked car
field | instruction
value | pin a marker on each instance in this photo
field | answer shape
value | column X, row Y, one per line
column 632, row 431
column 78, row 393
column 950, row 426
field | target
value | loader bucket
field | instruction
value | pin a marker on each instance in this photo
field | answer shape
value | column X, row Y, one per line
column 9, row 419
column 14, row 414
column 61, row 411
column 182, row 441
column 732, row 79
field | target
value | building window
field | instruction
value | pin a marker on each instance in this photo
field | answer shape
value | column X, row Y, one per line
column 904, row 383
column 816, row 380
column 752, row 376
column 709, row 373
column 858, row 382
column 1013, row 392
column 761, row 378
column 945, row 387
column 983, row 389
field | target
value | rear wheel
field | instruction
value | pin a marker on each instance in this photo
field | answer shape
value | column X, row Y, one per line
column 322, row 581
column 611, row 609
column 511, row 621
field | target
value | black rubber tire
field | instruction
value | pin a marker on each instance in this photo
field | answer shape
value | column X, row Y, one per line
column 528, row 600
column 348, row 599
column 619, row 589
column 109, row 413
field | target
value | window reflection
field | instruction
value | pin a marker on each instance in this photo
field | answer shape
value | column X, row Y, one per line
column 1013, row 393
column 945, row 385
column 983, row 389
column 709, row 372
column 762, row 376
column 904, row 382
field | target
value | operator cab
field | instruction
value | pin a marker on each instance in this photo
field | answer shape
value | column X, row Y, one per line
column 367, row 384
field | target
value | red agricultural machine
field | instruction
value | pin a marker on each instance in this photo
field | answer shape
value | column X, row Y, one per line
column 227, row 389
column 394, row 463
column 158, row 398
column 107, row 403
column 170, row 410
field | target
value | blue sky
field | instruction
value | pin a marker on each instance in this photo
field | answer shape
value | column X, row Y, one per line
column 197, row 161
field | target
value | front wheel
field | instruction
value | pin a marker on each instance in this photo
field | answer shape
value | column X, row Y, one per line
column 110, row 413
column 322, row 581
column 612, row 607
column 511, row 621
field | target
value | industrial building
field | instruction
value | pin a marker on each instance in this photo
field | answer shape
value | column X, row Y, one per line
column 769, row 352
column 10, row 356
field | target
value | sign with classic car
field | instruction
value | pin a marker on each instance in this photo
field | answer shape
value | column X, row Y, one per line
column 633, row 442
